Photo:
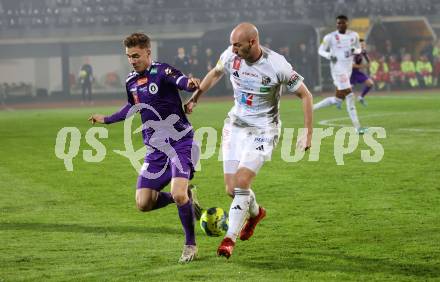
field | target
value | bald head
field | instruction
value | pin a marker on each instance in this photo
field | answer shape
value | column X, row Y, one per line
column 244, row 31
column 245, row 41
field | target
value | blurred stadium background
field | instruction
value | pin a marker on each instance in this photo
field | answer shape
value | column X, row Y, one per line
column 45, row 43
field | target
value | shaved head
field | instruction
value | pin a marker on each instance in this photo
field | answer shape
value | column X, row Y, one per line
column 245, row 42
column 245, row 31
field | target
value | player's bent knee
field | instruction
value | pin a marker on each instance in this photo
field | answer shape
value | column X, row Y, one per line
column 180, row 198
column 144, row 199
column 144, row 206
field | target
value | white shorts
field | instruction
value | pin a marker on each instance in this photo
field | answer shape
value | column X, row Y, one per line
column 247, row 147
column 341, row 80
column 341, row 73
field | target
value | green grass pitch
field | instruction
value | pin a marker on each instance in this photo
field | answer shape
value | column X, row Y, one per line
column 325, row 222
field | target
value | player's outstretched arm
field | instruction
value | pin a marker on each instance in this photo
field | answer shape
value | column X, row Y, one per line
column 307, row 99
column 209, row 81
column 120, row 115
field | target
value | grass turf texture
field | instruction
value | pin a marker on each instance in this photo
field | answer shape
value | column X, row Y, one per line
column 360, row 221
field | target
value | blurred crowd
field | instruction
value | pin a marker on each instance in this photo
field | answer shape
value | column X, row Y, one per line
column 390, row 67
column 396, row 69
column 67, row 13
column 194, row 61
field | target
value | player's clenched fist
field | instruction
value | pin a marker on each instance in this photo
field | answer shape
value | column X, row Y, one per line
column 193, row 83
column 189, row 106
column 96, row 118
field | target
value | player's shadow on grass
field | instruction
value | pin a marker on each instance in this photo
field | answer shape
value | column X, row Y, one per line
column 78, row 228
column 335, row 262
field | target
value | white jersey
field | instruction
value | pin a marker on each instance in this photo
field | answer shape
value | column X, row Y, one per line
column 341, row 46
column 257, row 87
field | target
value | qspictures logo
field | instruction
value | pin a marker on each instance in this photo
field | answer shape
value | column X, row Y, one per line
column 163, row 133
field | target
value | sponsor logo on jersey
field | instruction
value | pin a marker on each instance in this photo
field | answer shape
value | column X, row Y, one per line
column 264, row 89
column 170, row 72
column 237, row 63
column 153, row 88
column 265, row 80
column 294, row 79
column 142, row 81
column 143, row 88
column 236, row 74
column 249, row 74
column 247, row 99
column 153, row 70
column 262, row 139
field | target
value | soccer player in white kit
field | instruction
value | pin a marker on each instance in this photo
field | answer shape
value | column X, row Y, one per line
column 253, row 127
column 339, row 47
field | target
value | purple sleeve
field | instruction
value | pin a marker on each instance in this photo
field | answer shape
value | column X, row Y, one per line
column 119, row 115
column 182, row 84
column 177, row 78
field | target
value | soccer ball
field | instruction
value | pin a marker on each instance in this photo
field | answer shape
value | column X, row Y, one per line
column 214, row 222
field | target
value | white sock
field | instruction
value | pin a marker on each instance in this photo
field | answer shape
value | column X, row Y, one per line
column 327, row 102
column 254, row 208
column 351, row 109
column 238, row 212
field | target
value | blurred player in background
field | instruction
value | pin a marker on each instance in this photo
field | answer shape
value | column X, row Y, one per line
column 252, row 128
column 361, row 61
column 339, row 47
column 153, row 88
column 86, row 80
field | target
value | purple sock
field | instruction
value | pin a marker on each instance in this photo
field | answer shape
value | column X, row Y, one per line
column 163, row 200
column 186, row 214
column 365, row 91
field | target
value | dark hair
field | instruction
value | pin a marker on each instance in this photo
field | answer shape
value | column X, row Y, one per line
column 137, row 40
column 361, row 40
column 342, row 17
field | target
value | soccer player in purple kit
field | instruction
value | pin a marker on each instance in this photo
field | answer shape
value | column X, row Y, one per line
column 152, row 89
column 359, row 77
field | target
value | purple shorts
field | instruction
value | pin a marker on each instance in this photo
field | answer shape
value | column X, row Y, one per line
column 358, row 77
column 173, row 161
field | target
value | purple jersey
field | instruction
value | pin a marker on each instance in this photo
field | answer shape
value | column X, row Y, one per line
column 157, row 88
column 358, row 58
column 357, row 76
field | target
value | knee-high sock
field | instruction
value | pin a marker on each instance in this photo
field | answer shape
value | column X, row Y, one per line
column 365, row 91
column 163, row 200
column 254, row 208
column 238, row 212
column 186, row 215
column 351, row 109
column 327, row 102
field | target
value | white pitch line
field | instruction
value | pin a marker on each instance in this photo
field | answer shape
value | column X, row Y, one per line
column 330, row 122
column 420, row 129
column 405, row 97
column 333, row 122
